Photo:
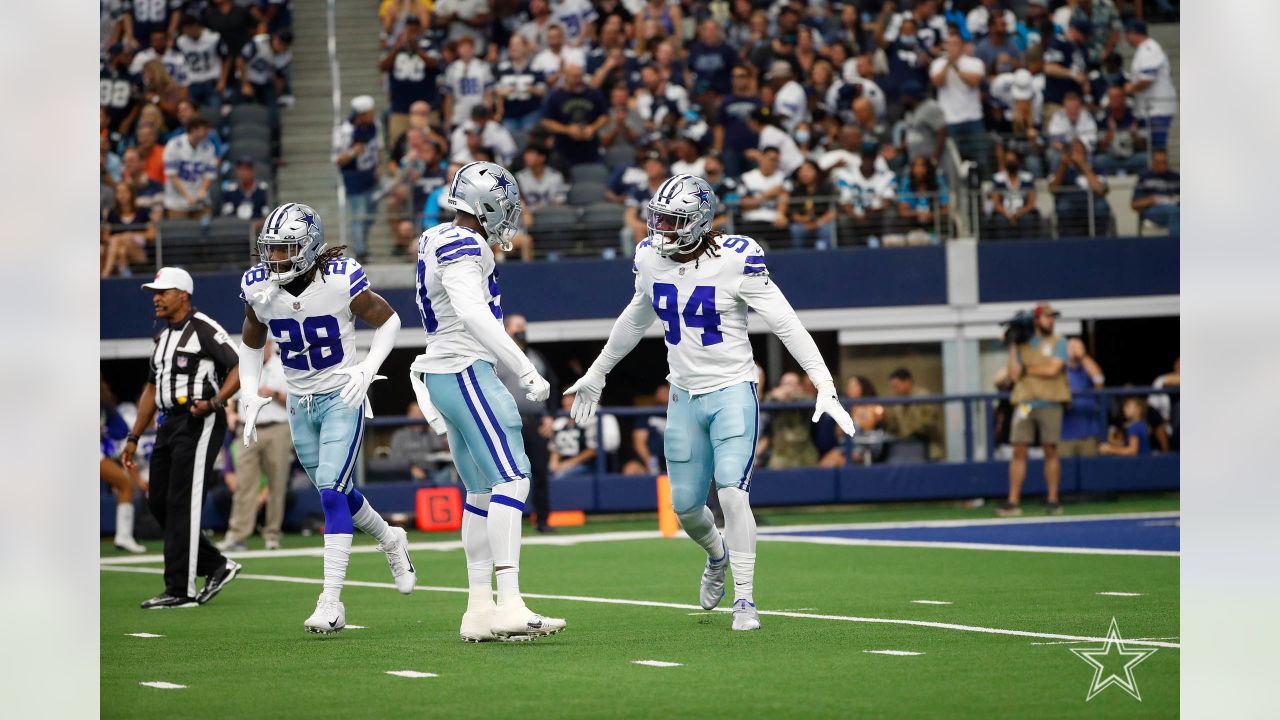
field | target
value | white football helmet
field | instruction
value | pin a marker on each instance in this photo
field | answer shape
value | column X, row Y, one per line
column 680, row 213
column 298, row 229
column 490, row 193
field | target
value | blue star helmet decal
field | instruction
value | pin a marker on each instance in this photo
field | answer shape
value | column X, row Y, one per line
column 309, row 218
column 502, row 182
column 703, row 196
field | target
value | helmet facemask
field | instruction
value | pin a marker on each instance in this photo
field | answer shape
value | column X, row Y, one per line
column 502, row 223
column 673, row 231
column 282, row 271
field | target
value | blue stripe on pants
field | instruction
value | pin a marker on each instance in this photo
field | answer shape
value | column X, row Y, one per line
column 484, row 437
column 327, row 436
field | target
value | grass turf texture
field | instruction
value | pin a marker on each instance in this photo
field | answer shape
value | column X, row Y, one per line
column 245, row 654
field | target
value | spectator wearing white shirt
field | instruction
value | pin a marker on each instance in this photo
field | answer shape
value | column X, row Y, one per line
column 1152, row 84
column 762, row 122
column 190, row 165
column 465, row 18
column 687, row 161
column 578, row 18
column 493, row 135
column 849, row 153
column 1068, row 124
column 790, row 103
column 867, row 194
column 468, row 82
column 540, row 186
column 958, row 78
column 174, row 61
column 661, row 104
column 855, row 81
column 555, row 55
column 764, row 199
column 978, row 20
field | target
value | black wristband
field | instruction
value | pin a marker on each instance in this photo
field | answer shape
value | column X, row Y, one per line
column 219, row 403
column 131, row 438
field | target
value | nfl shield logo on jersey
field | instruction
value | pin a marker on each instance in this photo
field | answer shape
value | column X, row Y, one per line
column 182, row 362
column 297, row 306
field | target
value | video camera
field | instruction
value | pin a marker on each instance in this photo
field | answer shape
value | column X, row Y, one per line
column 1020, row 328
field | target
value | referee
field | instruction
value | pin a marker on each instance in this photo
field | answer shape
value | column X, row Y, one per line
column 192, row 375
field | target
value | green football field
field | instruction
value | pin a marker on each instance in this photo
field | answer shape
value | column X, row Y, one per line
column 1000, row 648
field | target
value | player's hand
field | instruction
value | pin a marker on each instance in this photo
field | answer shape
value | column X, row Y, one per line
column 536, row 387
column 126, row 455
column 250, row 406
column 586, row 394
column 829, row 404
column 357, row 388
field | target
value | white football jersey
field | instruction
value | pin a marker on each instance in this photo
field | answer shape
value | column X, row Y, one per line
column 315, row 332
column 704, row 311
column 450, row 347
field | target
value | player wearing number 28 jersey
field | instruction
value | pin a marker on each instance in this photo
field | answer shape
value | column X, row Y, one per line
column 307, row 298
column 699, row 282
column 460, row 305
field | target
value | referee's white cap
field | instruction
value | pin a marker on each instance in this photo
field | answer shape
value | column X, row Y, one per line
column 172, row 278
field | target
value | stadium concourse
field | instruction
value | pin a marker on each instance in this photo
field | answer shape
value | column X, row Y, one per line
column 916, row 173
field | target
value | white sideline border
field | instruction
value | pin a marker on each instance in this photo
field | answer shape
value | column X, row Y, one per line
column 778, row 533
column 682, row 606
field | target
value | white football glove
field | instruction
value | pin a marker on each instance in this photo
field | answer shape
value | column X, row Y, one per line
column 536, row 386
column 429, row 411
column 250, row 406
column 829, row 404
column 586, row 394
column 357, row 388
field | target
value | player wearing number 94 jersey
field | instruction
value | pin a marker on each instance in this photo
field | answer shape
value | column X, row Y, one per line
column 700, row 282
column 307, row 298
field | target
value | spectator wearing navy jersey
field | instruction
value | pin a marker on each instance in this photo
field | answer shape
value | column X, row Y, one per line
column 573, row 447
column 125, row 234
column 1152, row 84
column 711, row 60
column 234, row 23
column 355, row 150
column 1065, row 66
column 610, row 63
column 1080, row 195
column 997, row 42
column 908, row 60
column 147, row 192
column 411, row 64
column 260, row 67
column 119, row 92
column 732, row 132
column 1013, row 201
column 575, row 114
column 519, row 89
column 418, row 171
column 1121, row 143
column 205, row 52
column 161, row 49
column 190, row 166
column 1157, row 196
column 246, row 197
column 661, row 104
column 647, row 439
column 723, row 185
column 867, row 194
column 152, row 16
column 811, row 211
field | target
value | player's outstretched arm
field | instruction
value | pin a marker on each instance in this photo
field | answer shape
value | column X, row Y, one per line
column 626, row 333
column 462, row 281
column 764, row 296
column 372, row 308
column 253, row 336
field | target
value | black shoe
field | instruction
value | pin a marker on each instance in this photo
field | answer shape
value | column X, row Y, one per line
column 1008, row 509
column 165, row 601
column 1053, row 508
column 215, row 582
column 546, row 529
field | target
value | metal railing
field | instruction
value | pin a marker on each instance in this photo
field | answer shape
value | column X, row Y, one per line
column 978, row 416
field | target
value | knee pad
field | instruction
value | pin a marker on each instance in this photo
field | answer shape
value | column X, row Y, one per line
column 511, row 493
column 695, row 520
column 337, row 515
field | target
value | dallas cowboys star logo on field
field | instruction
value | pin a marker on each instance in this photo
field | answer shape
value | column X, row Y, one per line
column 1113, row 652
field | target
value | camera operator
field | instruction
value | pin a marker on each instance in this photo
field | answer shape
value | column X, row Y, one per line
column 1037, row 365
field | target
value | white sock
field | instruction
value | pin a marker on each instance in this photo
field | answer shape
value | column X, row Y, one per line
column 740, row 537
column 337, row 552
column 124, row 522
column 475, row 544
column 504, row 536
column 368, row 520
column 700, row 526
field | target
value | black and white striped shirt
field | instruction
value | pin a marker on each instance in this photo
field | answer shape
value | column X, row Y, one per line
column 191, row 359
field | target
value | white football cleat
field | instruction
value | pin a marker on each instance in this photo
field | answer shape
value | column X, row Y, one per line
column 745, row 616
column 329, row 617
column 398, row 558
column 476, row 625
column 128, row 544
column 515, row 619
column 712, row 590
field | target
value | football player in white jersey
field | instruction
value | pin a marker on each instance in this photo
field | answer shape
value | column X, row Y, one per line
column 460, row 304
column 700, row 282
column 308, row 298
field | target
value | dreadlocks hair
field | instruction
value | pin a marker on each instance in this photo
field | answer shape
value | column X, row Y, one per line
column 322, row 260
column 709, row 244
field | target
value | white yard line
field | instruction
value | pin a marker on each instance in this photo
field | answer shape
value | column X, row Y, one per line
column 868, row 542
column 411, row 674
column 655, row 663
column 892, row 652
column 1122, row 594
column 682, row 606
column 931, row 602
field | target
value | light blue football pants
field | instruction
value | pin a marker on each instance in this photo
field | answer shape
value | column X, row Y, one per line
column 711, row 435
column 327, row 436
column 484, row 426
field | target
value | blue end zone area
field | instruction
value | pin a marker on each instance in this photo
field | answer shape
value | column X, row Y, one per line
column 1159, row 533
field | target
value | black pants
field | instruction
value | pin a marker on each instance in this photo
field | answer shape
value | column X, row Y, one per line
column 185, row 449
column 535, row 446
